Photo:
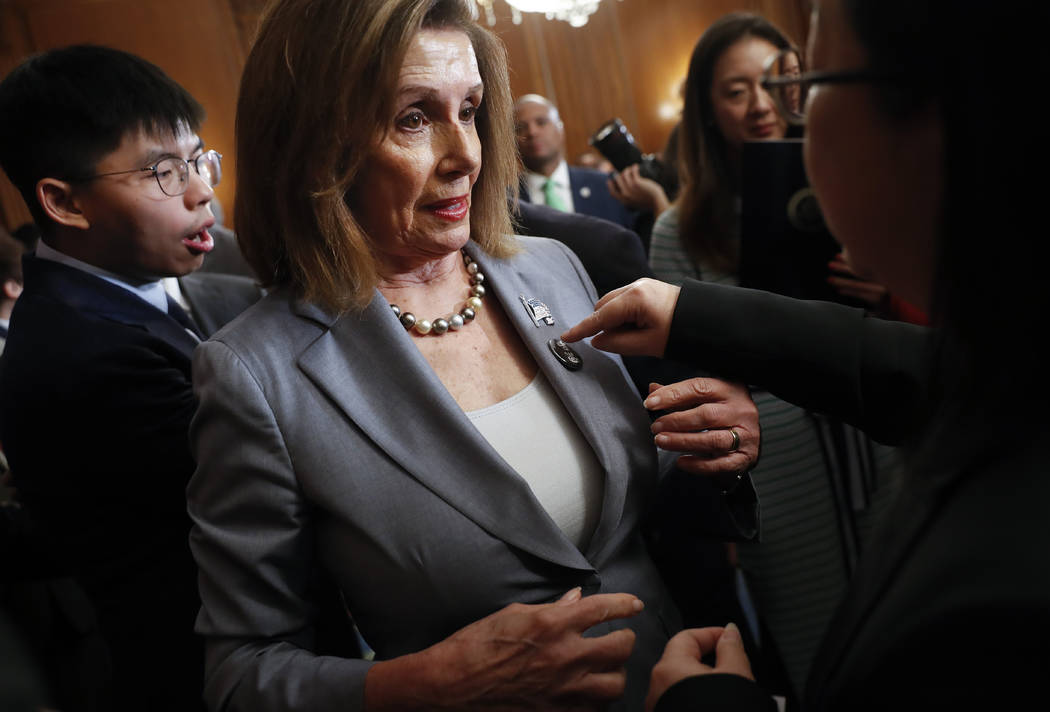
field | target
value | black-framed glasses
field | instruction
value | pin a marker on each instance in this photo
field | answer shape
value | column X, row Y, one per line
column 173, row 173
column 789, row 86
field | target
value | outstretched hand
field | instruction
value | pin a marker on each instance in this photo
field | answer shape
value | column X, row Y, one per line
column 634, row 320
column 682, row 654
column 522, row 657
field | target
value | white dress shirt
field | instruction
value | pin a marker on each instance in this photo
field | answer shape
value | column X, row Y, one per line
column 535, row 182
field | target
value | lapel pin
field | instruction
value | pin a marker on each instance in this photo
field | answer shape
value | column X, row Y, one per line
column 565, row 354
column 537, row 310
column 585, row 192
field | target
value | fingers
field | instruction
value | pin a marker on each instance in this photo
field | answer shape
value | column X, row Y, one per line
column 571, row 596
column 601, row 607
column 632, row 320
column 869, row 292
column 710, row 443
column 691, row 392
column 681, row 659
column 839, row 264
column 715, row 421
column 607, row 652
column 693, row 643
column 604, row 685
column 730, row 656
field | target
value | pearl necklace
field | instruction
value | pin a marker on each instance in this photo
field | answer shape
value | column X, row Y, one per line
column 455, row 321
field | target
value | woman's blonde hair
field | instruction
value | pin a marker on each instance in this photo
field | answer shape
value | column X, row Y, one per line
column 315, row 96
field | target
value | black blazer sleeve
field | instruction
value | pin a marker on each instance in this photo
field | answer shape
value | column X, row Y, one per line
column 715, row 692
column 821, row 356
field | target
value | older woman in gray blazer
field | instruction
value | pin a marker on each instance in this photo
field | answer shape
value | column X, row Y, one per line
column 399, row 413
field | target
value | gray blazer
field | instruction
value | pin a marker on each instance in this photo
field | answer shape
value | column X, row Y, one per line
column 327, row 443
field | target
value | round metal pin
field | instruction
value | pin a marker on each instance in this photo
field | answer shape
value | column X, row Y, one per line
column 564, row 353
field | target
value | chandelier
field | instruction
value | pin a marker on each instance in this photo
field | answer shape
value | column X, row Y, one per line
column 575, row 12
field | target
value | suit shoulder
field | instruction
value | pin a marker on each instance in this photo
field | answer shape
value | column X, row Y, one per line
column 221, row 280
column 543, row 249
column 271, row 328
column 587, row 174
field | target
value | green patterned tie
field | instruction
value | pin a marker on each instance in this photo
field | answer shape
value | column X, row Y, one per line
column 551, row 197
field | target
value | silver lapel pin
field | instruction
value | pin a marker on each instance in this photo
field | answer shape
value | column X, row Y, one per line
column 537, row 310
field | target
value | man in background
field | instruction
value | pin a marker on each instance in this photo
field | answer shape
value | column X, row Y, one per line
column 549, row 179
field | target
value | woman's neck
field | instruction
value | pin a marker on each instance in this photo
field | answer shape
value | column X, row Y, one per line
column 426, row 288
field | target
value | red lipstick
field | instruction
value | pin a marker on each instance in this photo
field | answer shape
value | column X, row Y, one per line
column 453, row 209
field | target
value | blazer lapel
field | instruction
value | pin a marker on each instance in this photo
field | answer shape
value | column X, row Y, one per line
column 584, row 398
column 367, row 364
column 90, row 294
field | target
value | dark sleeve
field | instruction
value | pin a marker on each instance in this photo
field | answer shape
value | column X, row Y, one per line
column 821, row 356
column 101, row 448
column 715, row 693
column 26, row 554
column 688, row 504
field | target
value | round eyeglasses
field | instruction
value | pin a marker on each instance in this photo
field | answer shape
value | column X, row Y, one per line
column 789, row 86
column 173, row 173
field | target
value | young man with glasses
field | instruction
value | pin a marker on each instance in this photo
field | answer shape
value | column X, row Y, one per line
column 95, row 393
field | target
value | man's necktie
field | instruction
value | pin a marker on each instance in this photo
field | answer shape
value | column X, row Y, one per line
column 551, row 197
column 179, row 314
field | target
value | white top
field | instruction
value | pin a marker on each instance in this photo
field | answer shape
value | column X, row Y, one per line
column 535, row 435
column 560, row 176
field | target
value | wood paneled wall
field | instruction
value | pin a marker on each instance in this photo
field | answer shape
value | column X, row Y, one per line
column 628, row 61
column 197, row 42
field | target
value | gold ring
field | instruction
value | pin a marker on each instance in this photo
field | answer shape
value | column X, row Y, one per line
column 736, row 440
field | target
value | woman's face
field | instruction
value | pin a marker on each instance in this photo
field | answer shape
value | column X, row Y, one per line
column 879, row 180
column 413, row 196
column 743, row 111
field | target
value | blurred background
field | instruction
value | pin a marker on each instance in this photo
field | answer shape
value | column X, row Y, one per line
column 627, row 61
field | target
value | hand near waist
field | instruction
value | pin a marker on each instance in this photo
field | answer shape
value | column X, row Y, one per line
column 523, row 657
column 682, row 654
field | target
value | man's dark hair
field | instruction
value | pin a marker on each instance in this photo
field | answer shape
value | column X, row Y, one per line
column 61, row 111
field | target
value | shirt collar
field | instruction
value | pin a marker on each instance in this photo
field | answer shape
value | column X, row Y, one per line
column 152, row 292
column 535, row 181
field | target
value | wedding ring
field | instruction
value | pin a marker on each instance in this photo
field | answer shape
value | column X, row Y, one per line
column 736, row 440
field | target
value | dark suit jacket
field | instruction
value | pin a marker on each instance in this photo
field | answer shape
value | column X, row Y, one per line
column 95, row 405
column 612, row 254
column 591, row 196
column 950, row 606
